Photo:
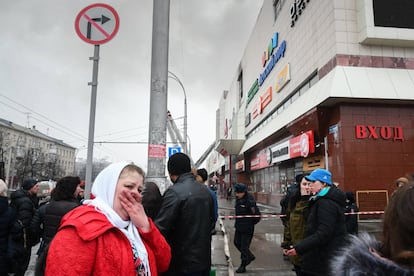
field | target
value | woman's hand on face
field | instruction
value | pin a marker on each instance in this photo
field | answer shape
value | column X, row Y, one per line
column 131, row 202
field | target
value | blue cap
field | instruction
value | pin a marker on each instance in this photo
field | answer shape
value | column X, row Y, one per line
column 321, row 175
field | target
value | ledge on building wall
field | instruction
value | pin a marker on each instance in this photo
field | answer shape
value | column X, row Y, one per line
column 229, row 146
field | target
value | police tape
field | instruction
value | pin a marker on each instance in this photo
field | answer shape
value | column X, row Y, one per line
column 281, row 216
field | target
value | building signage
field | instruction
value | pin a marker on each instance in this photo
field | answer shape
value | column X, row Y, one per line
column 297, row 9
column 374, row 132
column 299, row 146
column 282, row 78
column 260, row 160
column 240, row 165
column 266, row 98
column 269, row 59
column 302, row 145
column 280, row 152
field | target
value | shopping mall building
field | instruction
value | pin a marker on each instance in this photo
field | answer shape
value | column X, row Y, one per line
column 322, row 84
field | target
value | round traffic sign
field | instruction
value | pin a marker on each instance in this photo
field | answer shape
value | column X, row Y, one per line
column 97, row 24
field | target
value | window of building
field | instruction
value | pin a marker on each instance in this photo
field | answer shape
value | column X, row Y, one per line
column 277, row 7
column 240, row 84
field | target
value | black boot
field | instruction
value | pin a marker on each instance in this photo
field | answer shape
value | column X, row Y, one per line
column 251, row 259
column 242, row 267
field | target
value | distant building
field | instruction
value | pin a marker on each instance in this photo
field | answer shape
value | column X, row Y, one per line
column 26, row 152
column 321, row 84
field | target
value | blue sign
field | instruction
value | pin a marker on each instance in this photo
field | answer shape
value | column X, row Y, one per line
column 173, row 150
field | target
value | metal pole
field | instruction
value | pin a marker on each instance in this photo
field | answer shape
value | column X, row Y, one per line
column 158, row 100
column 174, row 77
column 89, row 158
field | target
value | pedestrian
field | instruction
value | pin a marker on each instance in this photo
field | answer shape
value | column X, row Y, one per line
column 202, row 176
column 151, row 199
column 25, row 202
column 296, row 214
column 245, row 205
column 110, row 234
column 81, row 194
column 290, row 191
column 11, row 234
column 351, row 219
column 186, row 219
column 325, row 226
column 229, row 192
column 394, row 254
column 46, row 220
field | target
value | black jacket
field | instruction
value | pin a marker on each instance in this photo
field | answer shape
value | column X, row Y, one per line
column 325, row 231
column 245, row 206
column 11, row 237
column 46, row 220
column 357, row 259
column 186, row 219
column 25, row 206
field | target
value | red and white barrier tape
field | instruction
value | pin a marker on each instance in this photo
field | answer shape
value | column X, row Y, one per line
column 281, row 216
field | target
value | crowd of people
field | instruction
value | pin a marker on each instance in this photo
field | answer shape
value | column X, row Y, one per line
column 128, row 227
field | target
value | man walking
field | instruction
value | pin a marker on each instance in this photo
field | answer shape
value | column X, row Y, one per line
column 186, row 219
column 245, row 205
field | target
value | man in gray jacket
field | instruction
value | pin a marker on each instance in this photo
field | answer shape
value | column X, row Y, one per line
column 186, row 219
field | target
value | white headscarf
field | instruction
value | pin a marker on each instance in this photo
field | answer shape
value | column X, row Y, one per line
column 104, row 191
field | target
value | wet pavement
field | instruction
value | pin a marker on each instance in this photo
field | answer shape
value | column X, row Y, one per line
column 265, row 244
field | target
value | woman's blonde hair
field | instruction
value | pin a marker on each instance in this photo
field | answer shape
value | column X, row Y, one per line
column 3, row 188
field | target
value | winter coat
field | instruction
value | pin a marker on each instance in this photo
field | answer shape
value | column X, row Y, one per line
column 25, row 204
column 214, row 197
column 294, row 230
column 351, row 221
column 357, row 259
column 325, row 230
column 88, row 244
column 245, row 206
column 46, row 220
column 186, row 219
column 11, row 237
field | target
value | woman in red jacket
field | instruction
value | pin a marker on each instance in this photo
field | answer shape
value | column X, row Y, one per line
column 110, row 234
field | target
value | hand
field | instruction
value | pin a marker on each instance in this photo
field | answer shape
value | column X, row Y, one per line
column 290, row 252
column 131, row 202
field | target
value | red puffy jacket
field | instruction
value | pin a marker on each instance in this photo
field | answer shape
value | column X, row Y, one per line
column 88, row 244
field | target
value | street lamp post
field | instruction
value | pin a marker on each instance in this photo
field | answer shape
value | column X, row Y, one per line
column 174, row 77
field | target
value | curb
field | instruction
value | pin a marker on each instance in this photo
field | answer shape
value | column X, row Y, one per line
column 226, row 248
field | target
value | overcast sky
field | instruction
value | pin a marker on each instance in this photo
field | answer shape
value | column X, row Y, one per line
column 45, row 70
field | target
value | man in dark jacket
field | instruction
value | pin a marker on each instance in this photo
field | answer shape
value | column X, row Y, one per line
column 245, row 205
column 186, row 219
column 25, row 202
column 325, row 226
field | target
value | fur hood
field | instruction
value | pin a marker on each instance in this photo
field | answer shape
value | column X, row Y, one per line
column 358, row 258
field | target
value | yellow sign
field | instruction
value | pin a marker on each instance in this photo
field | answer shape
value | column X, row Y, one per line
column 282, row 78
